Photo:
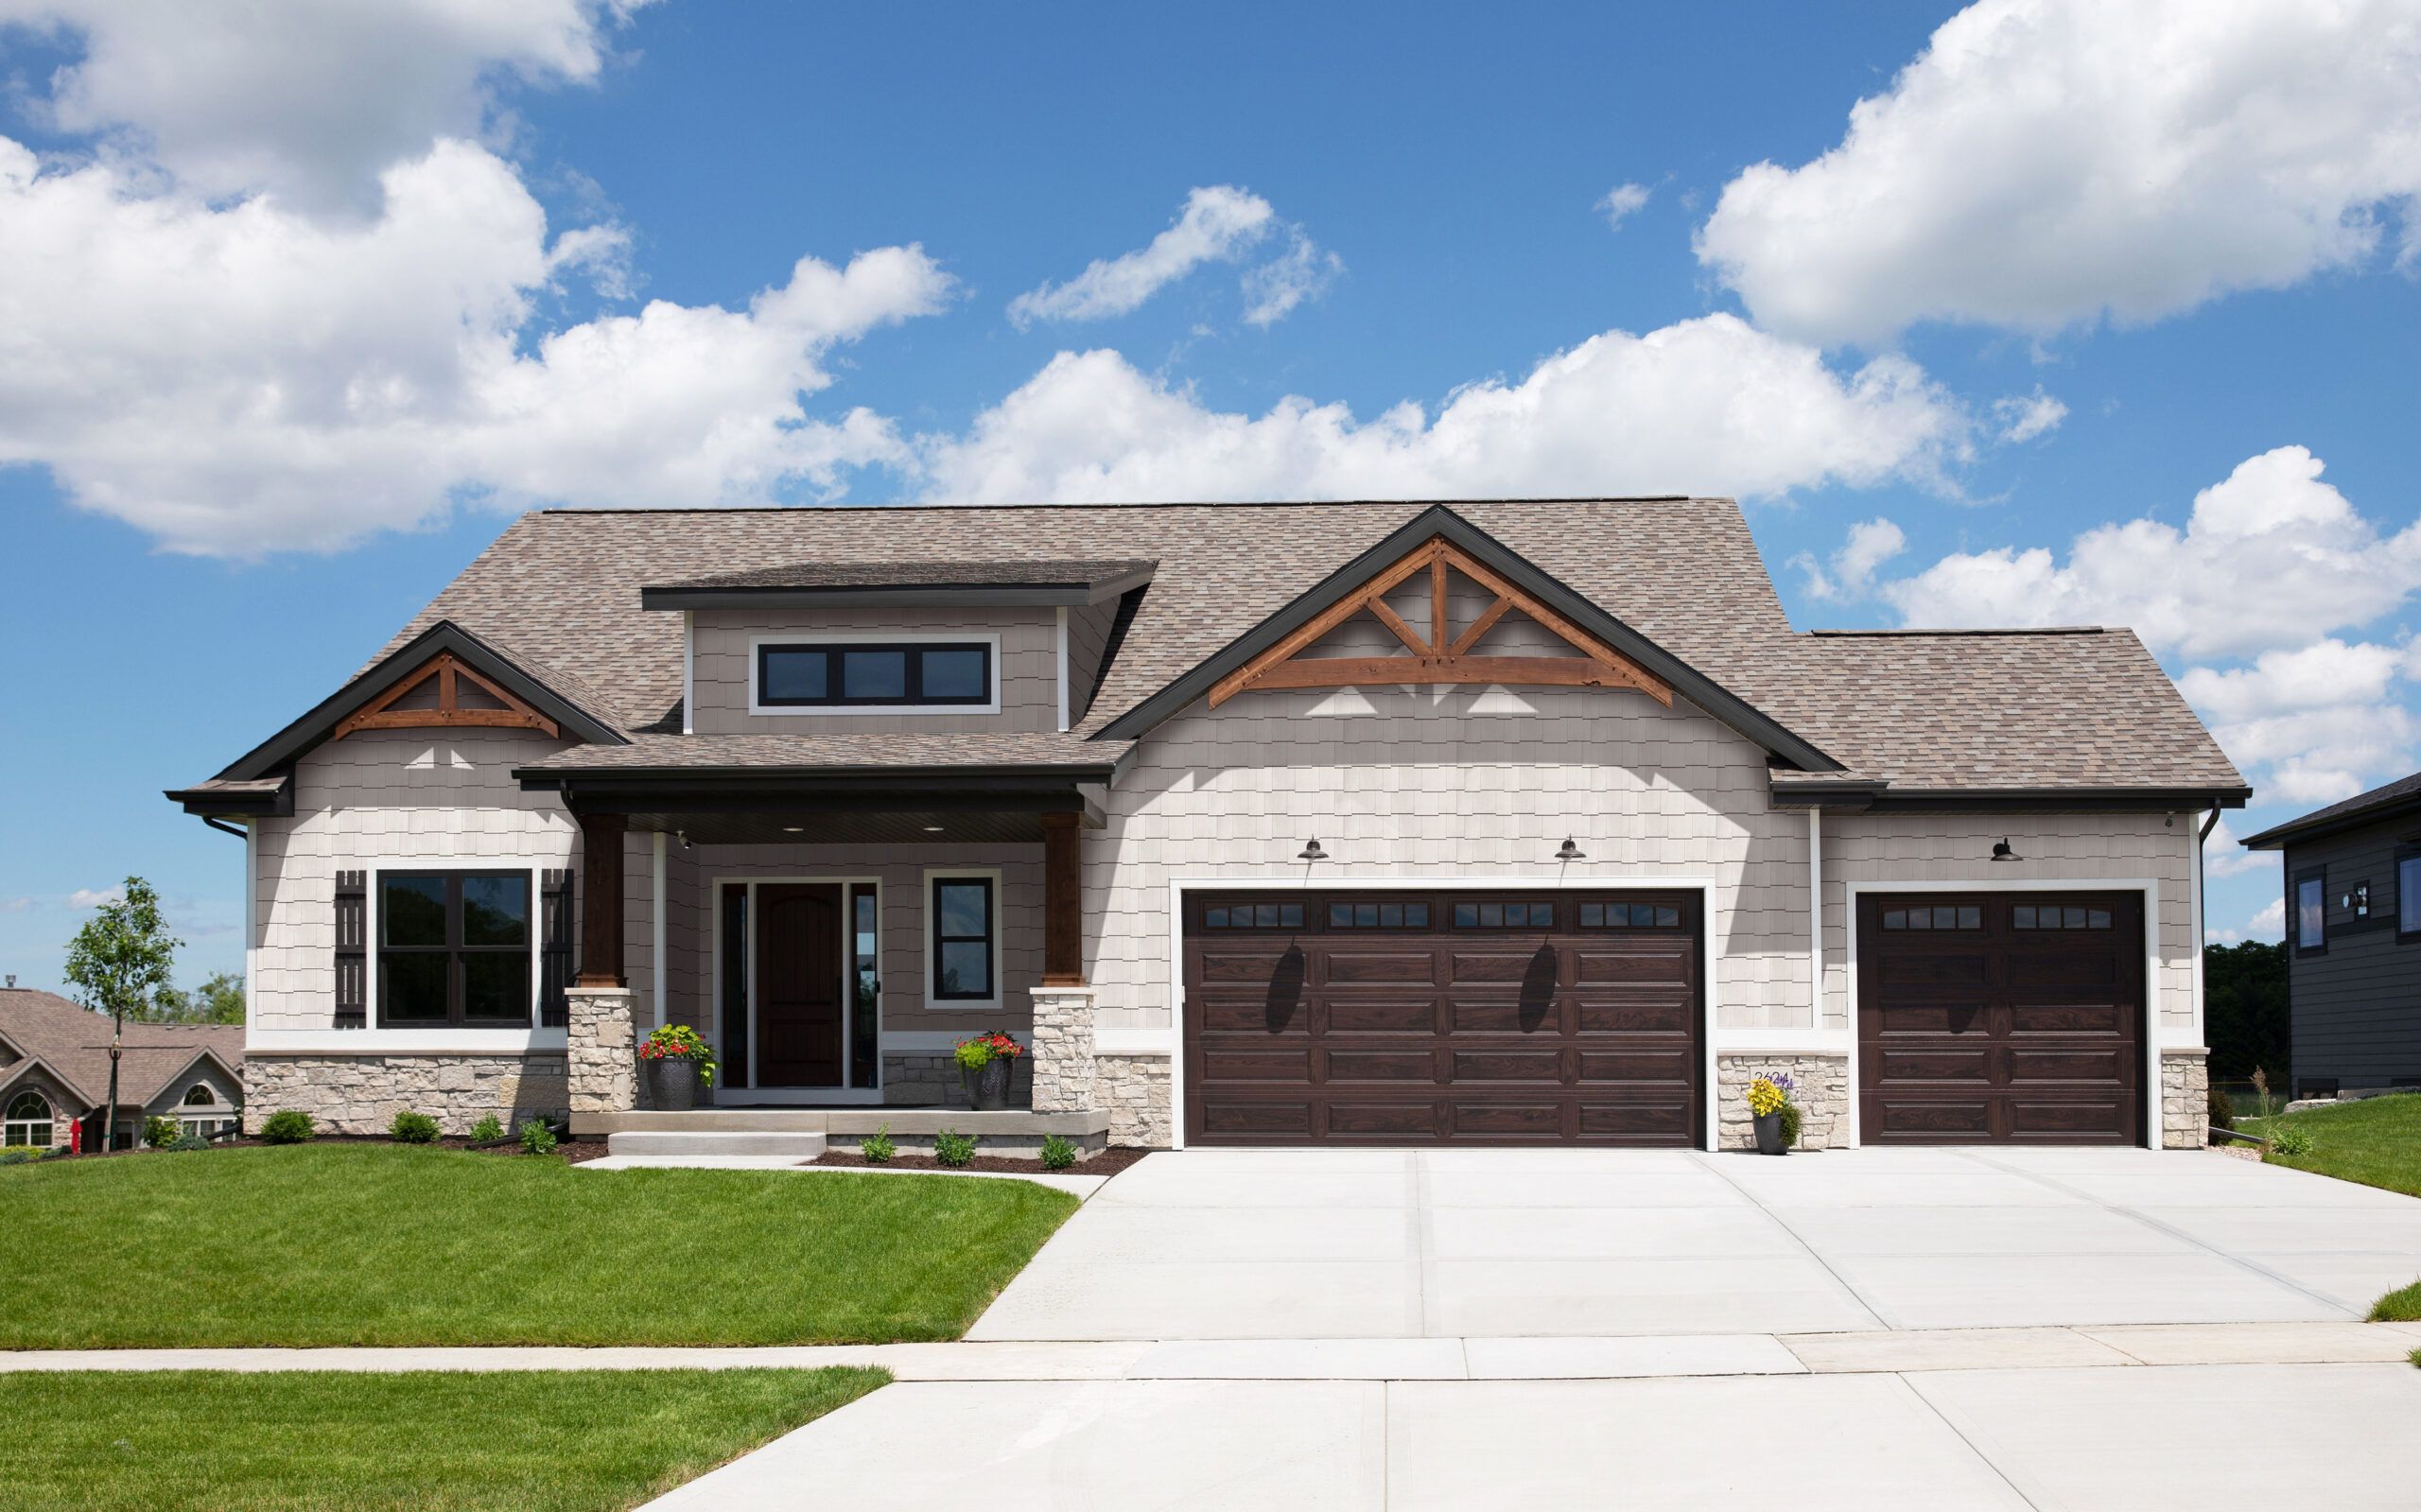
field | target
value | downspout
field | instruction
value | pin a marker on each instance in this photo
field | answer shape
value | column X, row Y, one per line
column 2201, row 908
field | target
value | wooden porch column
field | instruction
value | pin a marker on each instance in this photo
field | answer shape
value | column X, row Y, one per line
column 600, row 900
column 1063, row 919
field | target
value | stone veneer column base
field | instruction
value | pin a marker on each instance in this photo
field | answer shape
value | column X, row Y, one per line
column 601, row 1059
column 361, row 1094
column 1821, row 1083
column 1134, row 1091
column 2185, row 1097
column 1063, row 1050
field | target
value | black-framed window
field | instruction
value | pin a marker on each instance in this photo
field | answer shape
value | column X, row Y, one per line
column 866, row 674
column 1378, row 916
column 2408, row 892
column 1943, row 916
column 2061, row 916
column 454, row 949
column 1253, row 916
column 2307, row 911
column 1491, row 915
column 966, row 956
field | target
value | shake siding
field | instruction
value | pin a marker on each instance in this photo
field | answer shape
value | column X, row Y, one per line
column 387, row 797
column 2356, row 1007
column 1451, row 782
column 1029, row 670
column 1959, row 848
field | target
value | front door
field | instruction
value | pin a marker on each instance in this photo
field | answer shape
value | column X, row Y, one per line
column 798, row 985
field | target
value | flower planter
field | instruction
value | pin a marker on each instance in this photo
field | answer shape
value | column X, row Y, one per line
column 676, row 1083
column 987, row 1087
column 1769, row 1141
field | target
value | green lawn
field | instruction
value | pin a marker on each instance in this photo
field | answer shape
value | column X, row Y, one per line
column 533, row 1441
column 395, row 1244
column 2402, row 1305
column 2375, row 1142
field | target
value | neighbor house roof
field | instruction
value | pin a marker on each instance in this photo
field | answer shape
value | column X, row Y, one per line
column 562, row 593
column 2393, row 799
column 74, row 1045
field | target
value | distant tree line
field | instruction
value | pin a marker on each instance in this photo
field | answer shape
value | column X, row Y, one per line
column 2244, row 1011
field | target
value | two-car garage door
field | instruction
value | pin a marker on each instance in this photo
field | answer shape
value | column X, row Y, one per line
column 1421, row 1017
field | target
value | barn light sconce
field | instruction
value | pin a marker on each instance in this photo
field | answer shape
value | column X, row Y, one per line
column 683, row 836
column 2002, row 853
column 1311, row 851
column 1570, row 852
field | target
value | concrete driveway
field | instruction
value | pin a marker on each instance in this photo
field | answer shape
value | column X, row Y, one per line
column 1395, row 1245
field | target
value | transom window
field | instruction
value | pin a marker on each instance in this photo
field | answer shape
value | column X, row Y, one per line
column 1629, row 916
column 203, row 1113
column 1943, row 916
column 1378, row 916
column 964, row 956
column 1505, row 915
column 2043, row 916
column 848, row 674
column 453, row 948
column 29, row 1123
column 1254, row 916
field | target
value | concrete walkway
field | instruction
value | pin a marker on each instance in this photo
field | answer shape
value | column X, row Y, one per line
column 1389, row 1245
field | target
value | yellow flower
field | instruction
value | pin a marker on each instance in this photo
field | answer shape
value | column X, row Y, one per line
column 1765, row 1097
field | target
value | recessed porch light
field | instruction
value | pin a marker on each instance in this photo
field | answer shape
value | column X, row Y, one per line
column 793, row 829
column 933, row 829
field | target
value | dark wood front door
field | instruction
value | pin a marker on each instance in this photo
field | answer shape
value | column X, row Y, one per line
column 2000, row 1018
column 1434, row 1017
column 798, row 985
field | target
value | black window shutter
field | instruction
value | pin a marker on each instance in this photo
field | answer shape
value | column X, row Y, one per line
column 554, row 949
column 353, row 963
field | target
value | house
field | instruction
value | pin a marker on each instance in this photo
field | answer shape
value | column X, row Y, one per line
column 55, row 1070
column 2352, row 902
column 1484, row 822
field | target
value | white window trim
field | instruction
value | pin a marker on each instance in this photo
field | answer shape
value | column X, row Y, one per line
column 933, row 962
column 9, row 1125
column 822, row 637
column 499, row 1037
column 751, row 1093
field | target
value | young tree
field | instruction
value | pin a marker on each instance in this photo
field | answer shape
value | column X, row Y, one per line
column 120, row 962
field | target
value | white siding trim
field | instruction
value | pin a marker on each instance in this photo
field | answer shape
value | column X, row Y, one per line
column 370, row 871
column 885, row 637
column 252, row 923
column 1000, row 950
column 2154, row 1036
column 1816, row 920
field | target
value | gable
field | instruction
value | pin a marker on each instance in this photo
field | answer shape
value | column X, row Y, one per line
column 444, row 693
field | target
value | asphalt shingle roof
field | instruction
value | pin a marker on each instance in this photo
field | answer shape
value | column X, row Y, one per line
column 2402, row 792
column 1084, row 572
column 74, row 1043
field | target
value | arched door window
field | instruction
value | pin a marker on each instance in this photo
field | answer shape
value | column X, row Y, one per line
column 28, row 1121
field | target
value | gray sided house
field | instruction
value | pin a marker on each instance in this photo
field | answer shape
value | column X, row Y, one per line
column 55, row 1070
column 2353, row 931
column 1378, row 823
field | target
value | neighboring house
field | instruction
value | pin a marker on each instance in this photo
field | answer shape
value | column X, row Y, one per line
column 55, row 1070
column 1490, row 823
column 2353, row 901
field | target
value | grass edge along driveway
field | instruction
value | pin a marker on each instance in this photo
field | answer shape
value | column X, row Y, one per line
column 368, row 1244
column 2375, row 1142
column 329, row 1441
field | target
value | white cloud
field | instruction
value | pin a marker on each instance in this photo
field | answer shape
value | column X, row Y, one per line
column 1217, row 224
column 240, row 377
column 2223, row 856
column 1709, row 405
column 15, row 905
column 1302, row 271
column 1622, row 202
column 2048, row 162
column 2270, row 923
column 308, row 101
column 2316, row 676
column 86, row 898
column 2268, row 559
column 2023, row 418
column 1850, row 574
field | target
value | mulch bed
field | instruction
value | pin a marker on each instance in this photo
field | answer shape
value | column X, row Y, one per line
column 1107, row 1163
column 573, row 1151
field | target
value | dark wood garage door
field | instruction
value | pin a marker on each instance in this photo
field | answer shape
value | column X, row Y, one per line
column 1465, row 1017
column 1997, row 1017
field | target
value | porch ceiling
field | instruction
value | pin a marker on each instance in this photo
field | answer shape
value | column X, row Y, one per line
column 958, row 827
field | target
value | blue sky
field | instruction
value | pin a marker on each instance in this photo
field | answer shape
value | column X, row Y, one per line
column 299, row 306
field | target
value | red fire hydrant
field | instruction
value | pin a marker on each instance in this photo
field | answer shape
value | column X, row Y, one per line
column 76, row 1137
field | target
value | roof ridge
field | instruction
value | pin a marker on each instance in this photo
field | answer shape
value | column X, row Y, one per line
column 1137, row 504
column 1966, row 631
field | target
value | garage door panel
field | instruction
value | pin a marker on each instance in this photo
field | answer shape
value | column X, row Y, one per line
column 2014, row 1027
column 1341, row 1029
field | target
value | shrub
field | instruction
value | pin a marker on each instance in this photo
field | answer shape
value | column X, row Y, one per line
column 488, row 1130
column 1790, row 1122
column 2222, row 1111
column 19, row 1155
column 1057, row 1153
column 536, row 1139
column 876, row 1147
column 188, row 1142
column 159, row 1133
column 414, row 1128
column 2290, row 1141
column 287, row 1125
column 953, row 1149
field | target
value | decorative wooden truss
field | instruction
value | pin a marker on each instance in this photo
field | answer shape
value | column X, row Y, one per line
column 1436, row 658
column 497, row 709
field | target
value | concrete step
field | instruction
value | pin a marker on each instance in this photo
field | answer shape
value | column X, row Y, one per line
column 697, row 1143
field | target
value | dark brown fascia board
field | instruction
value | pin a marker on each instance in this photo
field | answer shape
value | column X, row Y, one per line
column 214, row 803
column 1883, row 798
column 278, row 751
column 901, row 595
column 1439, row 520
column 2298, row 831
column 816, row 790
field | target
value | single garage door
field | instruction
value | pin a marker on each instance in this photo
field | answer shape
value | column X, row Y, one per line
column 2001, row 1016
column 1462, row 1018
